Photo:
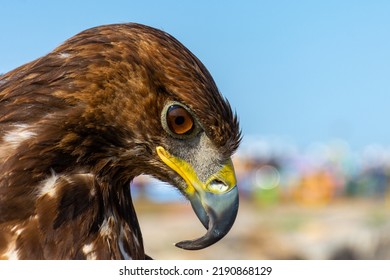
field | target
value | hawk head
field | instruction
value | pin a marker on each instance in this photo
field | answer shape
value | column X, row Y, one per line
column 115, row 102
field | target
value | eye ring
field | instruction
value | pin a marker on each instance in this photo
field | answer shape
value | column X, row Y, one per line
column 179, row 121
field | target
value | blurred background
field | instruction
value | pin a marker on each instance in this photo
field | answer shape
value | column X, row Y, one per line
column 310, row 83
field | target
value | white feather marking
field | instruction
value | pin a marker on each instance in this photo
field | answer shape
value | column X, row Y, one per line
column 135, row 238
column 106, row 227
column 12, row 252
column 121, row 246
column 14, row 138
column 64, row 55
column 17, row 230
column 89, row 251
column 49, row 185
column 88, row 248
column 21, row 133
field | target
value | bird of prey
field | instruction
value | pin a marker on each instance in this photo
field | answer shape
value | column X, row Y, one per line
column 78, row 124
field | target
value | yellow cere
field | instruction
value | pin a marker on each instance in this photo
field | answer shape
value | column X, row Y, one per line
column 225, row 175
column 220, row 182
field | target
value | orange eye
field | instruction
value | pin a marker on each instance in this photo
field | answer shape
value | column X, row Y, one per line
column 179, row 120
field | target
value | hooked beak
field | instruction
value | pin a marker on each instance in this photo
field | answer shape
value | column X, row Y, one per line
column 215, row 201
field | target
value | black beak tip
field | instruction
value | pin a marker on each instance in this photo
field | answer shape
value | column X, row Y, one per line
column 219, row 224
column 211, row 237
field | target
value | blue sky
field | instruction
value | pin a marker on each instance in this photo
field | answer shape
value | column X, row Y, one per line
column 305, row 71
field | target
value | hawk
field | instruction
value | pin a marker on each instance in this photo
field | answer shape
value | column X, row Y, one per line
column 78, row 124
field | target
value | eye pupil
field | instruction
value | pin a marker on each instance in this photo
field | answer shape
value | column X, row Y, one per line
column 179, row 120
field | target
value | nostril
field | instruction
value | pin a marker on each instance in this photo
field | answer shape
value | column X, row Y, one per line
column 217, row 186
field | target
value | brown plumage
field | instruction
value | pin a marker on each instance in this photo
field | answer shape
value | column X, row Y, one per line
column 78, row 124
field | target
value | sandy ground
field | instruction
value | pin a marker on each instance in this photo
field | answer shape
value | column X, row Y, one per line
column 342, row 230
